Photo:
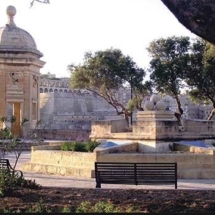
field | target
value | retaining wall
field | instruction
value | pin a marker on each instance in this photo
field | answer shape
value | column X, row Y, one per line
column 48, row 159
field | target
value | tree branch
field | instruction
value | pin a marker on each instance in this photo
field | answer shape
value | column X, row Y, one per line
column 194, row 15
column 40, row 1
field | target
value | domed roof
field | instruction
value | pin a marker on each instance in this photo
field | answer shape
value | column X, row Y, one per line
column 16, row 39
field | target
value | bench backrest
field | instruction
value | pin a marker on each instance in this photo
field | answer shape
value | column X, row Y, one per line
column 135, row 173
column 4, row 164
column 115, row 172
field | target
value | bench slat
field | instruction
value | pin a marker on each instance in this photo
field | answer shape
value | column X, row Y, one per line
column 5, row 165
column 135, row 173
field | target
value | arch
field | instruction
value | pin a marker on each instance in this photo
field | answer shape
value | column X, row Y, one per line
column 50, row 90
column 60, row 90
column 65, row 91
column 41, row 90
column 56, row 90
column 45, row 90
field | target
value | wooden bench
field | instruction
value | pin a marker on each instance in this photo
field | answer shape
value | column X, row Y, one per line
column 135, row 173
column 5, row 166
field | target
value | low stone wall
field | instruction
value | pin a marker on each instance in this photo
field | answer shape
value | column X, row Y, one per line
column 193, row 149
column 190, row 166
column 200, row 127
column 49, row 159
column 127, row 147
column 154, row 129
column 146, row 146
column 106, row 127
column 55, row 134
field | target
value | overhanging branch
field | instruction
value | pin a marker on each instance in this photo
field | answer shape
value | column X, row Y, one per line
column 40, row 1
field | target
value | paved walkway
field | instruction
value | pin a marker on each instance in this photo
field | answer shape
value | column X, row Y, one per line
column 66, row 181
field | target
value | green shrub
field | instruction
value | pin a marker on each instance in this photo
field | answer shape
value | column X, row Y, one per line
column 91, row 145
column 6, row 182
column 39, row 208
column 10, row 182
column 28, row 183
column 84, row 207
column 73, row 146
column 99, row 207
column 66, row 209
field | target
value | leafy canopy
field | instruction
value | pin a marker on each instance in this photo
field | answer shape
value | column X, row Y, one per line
column 169, row 59
column 200, row 74
column 104, row 73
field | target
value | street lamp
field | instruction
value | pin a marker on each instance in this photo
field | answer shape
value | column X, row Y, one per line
column 131, row 98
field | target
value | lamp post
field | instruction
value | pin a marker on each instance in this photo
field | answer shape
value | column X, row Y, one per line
column 131, row 98
column 131, row 84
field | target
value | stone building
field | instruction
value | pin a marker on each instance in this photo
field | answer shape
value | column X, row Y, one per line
column 49, row 83
column 191, row 110
column 20, row 66
column 64, row 108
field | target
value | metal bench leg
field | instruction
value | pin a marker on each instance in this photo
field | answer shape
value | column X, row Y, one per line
column 98, row 185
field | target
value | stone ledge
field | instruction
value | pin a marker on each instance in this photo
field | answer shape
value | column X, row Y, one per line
column 59, row 170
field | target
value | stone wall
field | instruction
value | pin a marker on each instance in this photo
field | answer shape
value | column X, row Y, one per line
column 77, row 164
column 72, row 111
column 155, row 129
column 106, row 127
column 65, row 134
column 190, row 166
column 200, row 126
column 48, row 159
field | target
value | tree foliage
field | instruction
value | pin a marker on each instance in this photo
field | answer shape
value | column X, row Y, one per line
column 169, row 59
column 200, row 75
column 196, row 15
column 138, row 94
column 104, row 73
column 11, row 143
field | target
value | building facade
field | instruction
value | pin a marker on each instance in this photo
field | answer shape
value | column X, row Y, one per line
column 20, row 66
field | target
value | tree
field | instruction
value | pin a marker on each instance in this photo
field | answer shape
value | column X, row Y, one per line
column 138, row 94
column 169, row 59
column 13, row 179
column 200, row 75
column 104, row 73
column 196, row 15
column 11, row 143
column 40, row 1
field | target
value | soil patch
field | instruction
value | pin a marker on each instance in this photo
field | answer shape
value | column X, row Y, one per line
column 147, row 201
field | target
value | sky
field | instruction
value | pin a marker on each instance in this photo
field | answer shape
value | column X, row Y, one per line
column 65, row 29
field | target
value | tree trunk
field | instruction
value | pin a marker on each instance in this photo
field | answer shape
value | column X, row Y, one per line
column 126, row 114
column 196, row 15
column 211, row 114
column 178, row 115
